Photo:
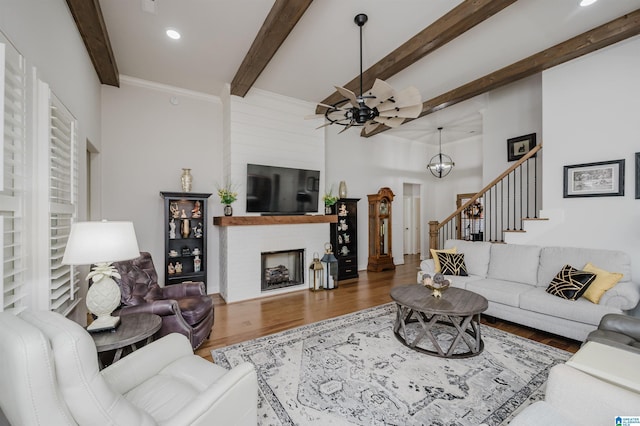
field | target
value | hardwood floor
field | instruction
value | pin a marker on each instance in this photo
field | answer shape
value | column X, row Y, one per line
column 240, row 321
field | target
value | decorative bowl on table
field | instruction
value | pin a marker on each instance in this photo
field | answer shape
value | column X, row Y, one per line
column 438, row 284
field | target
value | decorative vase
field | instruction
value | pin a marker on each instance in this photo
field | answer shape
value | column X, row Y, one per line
column 186, row 179
column 328, row 209
column 185, row 229
column 228, row 210
column 342, row 189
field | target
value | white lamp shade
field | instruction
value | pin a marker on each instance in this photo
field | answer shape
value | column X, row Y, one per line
column 100, row 242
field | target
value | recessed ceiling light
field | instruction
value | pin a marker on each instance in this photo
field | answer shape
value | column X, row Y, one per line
column 173, row 34
column 585, row 3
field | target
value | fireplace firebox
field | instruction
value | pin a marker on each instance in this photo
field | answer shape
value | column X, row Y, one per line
column 284, row 268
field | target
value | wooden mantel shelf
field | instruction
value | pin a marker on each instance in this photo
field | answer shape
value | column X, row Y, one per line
column 273, row 220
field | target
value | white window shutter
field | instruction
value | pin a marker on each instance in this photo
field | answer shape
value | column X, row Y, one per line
column 12, row 177
column 57, row 171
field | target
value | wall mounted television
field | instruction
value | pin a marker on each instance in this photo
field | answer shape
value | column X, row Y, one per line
column 282, row 190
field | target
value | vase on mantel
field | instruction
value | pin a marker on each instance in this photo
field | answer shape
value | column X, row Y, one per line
column 228, row 210
column 186, row 180
column 342, row 189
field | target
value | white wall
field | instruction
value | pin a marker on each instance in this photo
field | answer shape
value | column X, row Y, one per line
column 147, row 140
column 590, row 113
column 511, row 111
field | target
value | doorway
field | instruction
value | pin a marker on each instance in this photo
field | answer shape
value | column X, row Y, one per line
column 411, row 218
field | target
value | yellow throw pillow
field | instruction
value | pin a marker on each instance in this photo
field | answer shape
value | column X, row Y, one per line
column 434, row 256
column 604, row 281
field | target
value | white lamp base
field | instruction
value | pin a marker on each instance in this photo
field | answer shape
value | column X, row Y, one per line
column 104, row 323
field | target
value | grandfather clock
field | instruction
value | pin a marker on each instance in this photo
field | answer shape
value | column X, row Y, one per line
column 380, row 257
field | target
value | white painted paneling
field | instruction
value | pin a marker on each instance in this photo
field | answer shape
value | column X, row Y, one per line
column 243, row 245
column 270, row 129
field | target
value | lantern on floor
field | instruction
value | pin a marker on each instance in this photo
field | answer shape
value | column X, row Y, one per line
column 316, row 273
column 331, row 267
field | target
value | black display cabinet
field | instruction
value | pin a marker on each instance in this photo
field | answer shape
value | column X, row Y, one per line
column 185, row 237
column 344, row 238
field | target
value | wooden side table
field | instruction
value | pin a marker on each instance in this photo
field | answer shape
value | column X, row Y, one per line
column 133, row 329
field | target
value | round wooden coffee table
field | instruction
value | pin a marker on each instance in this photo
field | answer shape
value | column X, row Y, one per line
column 133, row 328
column 457, row 308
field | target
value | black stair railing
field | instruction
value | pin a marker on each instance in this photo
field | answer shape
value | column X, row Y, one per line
column 505, row 203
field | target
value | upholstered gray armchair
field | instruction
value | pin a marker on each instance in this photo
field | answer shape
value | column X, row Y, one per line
column 185, row 308
column 618, row 330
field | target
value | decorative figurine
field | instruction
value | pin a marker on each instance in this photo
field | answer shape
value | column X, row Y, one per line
column 173, row 253
column 345, row 250
column 196, row 213
column 184, row 214
column 172, row 229
column 347, row 239
column 196, row 264
column 342, row 211
column 178, row 268
column 175, row 212
column 171, row 269
column 185, row 230
column 196, row 251
column 343, row 225
column 197, row 230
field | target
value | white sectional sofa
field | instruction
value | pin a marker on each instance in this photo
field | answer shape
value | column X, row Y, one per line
column 514, row 278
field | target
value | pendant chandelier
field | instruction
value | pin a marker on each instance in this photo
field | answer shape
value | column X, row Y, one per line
column 440, row 164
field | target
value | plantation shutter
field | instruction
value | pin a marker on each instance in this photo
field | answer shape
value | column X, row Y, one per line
column 63, row 193
column 14, row 294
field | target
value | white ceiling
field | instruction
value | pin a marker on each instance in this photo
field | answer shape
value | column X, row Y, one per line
column 323, row 49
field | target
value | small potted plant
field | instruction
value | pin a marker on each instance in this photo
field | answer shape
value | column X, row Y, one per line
column 329, row 201
column 227, row 196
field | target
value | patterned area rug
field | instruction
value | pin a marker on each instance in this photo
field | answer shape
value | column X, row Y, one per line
column 352, row 370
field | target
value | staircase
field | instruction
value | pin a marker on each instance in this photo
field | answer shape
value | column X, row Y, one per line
column 503, row 209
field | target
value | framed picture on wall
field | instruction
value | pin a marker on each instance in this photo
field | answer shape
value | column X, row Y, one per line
column 520, row 146
column 602, row 179
column 637, row 175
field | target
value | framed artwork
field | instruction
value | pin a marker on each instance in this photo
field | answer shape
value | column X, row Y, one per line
column 520, row 146
column 602, row 179
column 637, row 175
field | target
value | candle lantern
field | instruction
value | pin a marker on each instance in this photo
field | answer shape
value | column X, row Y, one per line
column 331, row 269
column 316, row 273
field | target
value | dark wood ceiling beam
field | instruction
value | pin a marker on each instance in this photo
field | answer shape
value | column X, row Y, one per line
column 284, row 15
column 605, row 35
column 90, row 23
column 457, row 21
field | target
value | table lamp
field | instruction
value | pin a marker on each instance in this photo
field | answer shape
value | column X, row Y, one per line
column 101, row 243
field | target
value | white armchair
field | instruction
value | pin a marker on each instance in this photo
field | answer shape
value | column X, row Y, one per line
column 49, row 375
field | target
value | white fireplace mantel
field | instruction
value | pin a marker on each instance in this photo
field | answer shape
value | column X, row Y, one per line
column 244, row 238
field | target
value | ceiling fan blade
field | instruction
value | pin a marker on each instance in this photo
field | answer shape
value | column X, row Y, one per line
column 407, row 112
column 347, row 94
column 405, row 98
column 346, row 128
column 370, row 126
column 312, row 116
column 381, row 90
column 390, row 121
column 408, row 97
column 328, row 123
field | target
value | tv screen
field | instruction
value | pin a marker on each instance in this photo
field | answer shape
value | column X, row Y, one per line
column 281, row 190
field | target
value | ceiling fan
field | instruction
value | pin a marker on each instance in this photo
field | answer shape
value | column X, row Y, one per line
column 379, row 105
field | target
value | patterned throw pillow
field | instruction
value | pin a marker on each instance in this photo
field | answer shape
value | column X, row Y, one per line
column 452, row 264
column 570, row 283
column 434, row 256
